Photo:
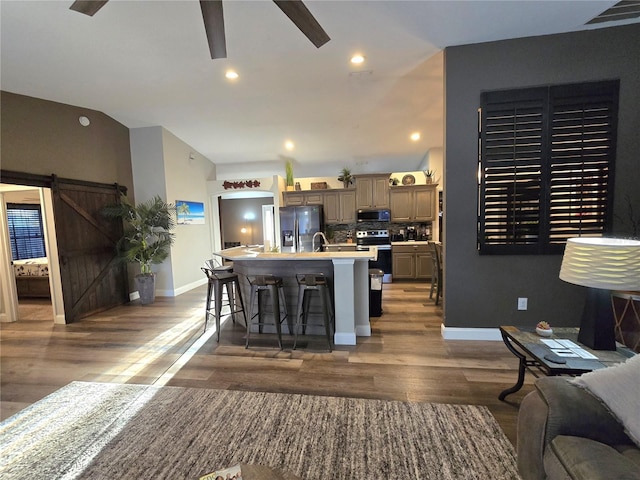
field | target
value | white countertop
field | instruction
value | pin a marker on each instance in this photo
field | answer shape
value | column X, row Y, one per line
column 257, row 253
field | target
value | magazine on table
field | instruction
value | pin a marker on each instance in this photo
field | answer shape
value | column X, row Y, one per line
column 231, row 473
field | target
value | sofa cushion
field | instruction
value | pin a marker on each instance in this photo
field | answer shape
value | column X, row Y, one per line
column 618, row 387
column 584, row 459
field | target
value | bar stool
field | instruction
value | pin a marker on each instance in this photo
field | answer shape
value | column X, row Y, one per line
column 307, row 284
column 274, row 287
column 218, row 279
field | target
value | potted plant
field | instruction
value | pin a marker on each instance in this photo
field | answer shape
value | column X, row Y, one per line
column 288, row 168
column 146, row 240
column 345, row 177
column 430, row 176
column 394, row 181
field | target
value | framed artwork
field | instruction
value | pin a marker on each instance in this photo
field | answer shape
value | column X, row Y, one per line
column 189, row 213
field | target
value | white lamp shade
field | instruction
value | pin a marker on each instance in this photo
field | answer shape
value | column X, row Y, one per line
column 607, row 263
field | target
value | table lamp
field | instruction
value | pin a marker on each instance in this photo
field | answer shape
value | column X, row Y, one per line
column 601, row 264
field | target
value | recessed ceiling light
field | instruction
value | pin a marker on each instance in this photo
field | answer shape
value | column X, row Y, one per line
column 289, row 145
column 357, row 59
column 231, row 74
column 415, row 136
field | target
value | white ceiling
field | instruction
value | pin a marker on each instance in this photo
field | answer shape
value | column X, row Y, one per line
column 147, row 63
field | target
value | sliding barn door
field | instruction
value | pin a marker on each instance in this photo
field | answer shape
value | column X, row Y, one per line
column 92, row 279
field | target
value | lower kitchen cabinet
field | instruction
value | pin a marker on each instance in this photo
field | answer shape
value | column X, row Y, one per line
column 411, row 262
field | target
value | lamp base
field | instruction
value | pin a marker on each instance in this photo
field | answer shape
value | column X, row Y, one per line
column 597, row 326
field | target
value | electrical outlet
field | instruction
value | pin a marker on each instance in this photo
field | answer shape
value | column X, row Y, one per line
column 522, row 303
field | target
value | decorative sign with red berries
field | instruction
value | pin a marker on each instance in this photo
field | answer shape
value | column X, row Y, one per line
column 243, row 184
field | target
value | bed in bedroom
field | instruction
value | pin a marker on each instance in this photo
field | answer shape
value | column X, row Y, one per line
column 32, row 277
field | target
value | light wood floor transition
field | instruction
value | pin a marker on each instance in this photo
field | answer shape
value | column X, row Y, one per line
column 404, row 359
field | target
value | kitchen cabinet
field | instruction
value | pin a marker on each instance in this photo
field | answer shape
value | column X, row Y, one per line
column 298, row 198
column 415, row 203
column 411, row 261
column 340, row 206
column 372, row 191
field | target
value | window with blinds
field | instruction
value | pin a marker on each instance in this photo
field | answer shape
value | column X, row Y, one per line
column 25, row 231
column 545, row 166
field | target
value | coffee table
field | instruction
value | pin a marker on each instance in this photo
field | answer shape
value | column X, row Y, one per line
column 527, row 345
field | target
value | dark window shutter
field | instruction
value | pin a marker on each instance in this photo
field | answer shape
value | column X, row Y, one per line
column 25, row 231
column 546, row 160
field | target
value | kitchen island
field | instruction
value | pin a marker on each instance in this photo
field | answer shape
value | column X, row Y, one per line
column 348, row 272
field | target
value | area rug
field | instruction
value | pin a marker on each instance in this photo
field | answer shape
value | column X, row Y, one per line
column 110, row 431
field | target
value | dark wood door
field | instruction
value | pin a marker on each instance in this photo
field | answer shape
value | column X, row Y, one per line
column 92, row 278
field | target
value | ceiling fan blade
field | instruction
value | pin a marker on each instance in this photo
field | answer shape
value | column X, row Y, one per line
column 304, row 20
column 214, row 27
column 88, row 7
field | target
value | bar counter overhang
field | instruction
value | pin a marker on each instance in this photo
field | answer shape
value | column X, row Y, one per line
column 347, row 271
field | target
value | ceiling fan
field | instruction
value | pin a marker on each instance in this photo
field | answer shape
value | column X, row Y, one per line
column 214, row 21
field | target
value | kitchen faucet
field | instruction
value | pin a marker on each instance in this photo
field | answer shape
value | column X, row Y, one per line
column 313, row 241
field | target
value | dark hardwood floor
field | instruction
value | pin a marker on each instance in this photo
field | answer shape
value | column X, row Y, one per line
column 404, row 359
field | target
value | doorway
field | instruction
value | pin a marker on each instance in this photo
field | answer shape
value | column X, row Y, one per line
column 25, row 254
column 247, row 220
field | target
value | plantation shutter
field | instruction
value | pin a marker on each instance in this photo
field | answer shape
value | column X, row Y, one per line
column 546, row 160
column 583, row 128
column 25, row 231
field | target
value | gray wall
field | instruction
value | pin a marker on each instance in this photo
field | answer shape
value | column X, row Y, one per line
column 482, row 291
column 43, row 137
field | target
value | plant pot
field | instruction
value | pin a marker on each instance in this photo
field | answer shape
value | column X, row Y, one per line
column 146, row 286
column 429, row 180
column 290, row 188
column 346, row 184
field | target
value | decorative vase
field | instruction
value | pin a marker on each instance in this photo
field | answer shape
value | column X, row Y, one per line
column 290, row 188
column 346, row 184
column 429, row 180
column 146, row 285
column 544, row 333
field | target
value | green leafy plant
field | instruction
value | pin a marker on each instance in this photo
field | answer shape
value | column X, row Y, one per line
column 288, row 168
column 394, row 181
column 430, row 173
column 345, row 177
column 147, row 237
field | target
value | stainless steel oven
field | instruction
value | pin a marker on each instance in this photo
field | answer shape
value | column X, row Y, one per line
column 381, row 239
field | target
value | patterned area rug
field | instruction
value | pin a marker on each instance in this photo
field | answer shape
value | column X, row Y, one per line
column 110, row 431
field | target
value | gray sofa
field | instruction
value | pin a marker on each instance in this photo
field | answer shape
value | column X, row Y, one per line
column 564, row 432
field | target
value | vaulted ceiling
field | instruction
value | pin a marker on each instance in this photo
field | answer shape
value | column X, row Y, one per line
column 147, row 63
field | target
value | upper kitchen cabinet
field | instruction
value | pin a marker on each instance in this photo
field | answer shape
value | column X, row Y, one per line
column 372, row 191
column 415, row 203
column 340, row 206
column 297, row 198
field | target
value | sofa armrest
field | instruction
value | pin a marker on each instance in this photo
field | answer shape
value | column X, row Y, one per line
column 574, row 411
column 559, row 407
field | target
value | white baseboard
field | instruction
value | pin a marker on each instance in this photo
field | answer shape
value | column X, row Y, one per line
column 460, row 333
column 181, row 290
column 363, row 330
column 344, row 339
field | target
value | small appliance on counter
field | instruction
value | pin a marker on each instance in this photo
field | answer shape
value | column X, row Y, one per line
column 411, row 233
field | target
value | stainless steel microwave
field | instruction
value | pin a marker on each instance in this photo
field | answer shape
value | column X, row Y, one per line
column 374, row 215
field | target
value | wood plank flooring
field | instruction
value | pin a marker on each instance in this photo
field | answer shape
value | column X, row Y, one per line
column 404, row 359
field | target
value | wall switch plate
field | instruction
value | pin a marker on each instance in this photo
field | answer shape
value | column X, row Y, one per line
column 522, row 303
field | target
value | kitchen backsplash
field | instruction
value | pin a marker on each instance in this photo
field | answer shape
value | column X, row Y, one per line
column 341, row 232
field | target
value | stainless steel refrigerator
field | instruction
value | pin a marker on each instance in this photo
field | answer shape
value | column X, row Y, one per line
column 297, row 226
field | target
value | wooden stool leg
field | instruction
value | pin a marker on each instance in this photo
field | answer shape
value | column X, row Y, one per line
column 251, row 315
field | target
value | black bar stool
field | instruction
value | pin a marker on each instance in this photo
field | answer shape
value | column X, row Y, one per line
column 274, row 287
column 218, row 279
column 307, row 284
